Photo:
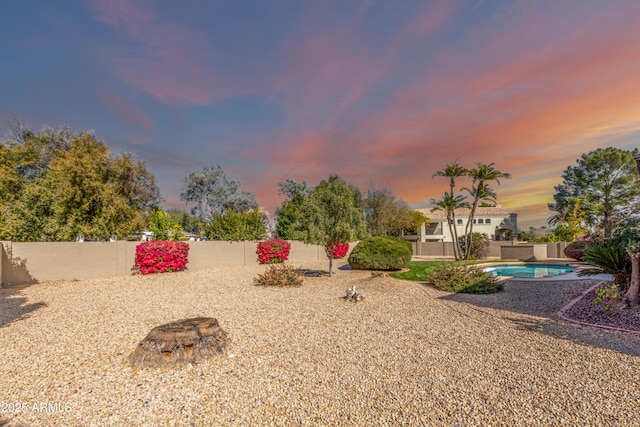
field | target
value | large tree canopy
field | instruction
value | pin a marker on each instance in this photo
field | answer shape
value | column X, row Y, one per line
column 386, row 215
column 288, row 214
column 214, row 192
column 606, row 186
column 61, row 186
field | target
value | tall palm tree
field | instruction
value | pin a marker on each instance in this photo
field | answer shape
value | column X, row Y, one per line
column 449, row 203
column 451, row 171
column 480, row 176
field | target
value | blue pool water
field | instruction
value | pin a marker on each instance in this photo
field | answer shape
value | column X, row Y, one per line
column 528, row 270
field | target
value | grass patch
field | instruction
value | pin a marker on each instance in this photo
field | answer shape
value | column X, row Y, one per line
column 420, row 270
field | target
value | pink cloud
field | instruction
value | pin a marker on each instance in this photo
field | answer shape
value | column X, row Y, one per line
column 127, row 110
column 165, row 60
column 533, row 108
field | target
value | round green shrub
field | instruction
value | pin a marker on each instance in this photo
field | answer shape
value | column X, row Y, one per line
column 576, row 250
column 381, row 253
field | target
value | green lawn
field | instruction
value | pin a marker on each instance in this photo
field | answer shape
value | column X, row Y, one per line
column 419, row 270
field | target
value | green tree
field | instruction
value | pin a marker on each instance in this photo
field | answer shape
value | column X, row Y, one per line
column 608, row 186
column 416, row 219
column 164, row 227
column 237, row 226
column 214, row 192
column 288, row 214
column 189, row 223
column 85, row 188
column 65, row 186
column 333, row 213
column 386, row 215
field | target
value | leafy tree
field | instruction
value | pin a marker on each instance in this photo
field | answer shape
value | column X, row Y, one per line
column 63, row 186
column 607, row 185
column 386, row 215
column 479, row 247
column 291, row 188
column 333, row 213
column 189, row 223
column 449, row 203
column 288, row 214
column 88, row 198
column 164, row 227
column 237, row 226
column 214, row 192
column 416, row 219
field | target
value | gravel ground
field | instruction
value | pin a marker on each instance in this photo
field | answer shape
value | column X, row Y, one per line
column 406, row 355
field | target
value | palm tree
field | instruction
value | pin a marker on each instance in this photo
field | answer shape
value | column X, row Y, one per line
column 452, row 171
column 480, row 176
column 449, row 203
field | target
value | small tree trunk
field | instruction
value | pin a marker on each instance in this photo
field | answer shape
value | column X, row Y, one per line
column 331, row 262
column 634, row 288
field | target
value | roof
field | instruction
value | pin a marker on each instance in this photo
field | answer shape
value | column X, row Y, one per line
column 493, row 211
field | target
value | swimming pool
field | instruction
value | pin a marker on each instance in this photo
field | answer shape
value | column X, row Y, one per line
column 531, row 271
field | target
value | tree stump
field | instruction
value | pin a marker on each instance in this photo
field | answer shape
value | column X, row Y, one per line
column 180, row 342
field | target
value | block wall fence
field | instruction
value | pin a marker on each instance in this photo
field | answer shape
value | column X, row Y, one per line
column 32, row 262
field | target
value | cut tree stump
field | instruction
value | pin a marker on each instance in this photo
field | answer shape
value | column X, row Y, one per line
column 180, row 342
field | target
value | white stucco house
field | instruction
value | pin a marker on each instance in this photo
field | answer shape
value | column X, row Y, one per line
column 492, row 221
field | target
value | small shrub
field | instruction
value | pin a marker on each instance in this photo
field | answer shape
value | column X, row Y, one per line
column 273, row 251
column 455, row 278
column 339, row 250
column 280, row 275
column 576, row 250
column 381, row 253
column 160, row 256
column 479, row 247
column 609, row 295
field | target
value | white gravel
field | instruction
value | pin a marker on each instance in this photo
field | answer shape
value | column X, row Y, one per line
column 406, row 355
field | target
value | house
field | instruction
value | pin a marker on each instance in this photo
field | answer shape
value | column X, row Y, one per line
column 493, row 221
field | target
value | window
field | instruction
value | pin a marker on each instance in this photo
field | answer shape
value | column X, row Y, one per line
column 474, row 220
column 480, row 221
column 487, row 221
column 459, row 222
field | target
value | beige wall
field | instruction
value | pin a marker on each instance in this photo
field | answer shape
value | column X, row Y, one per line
column 445, row 249
column 32, row 262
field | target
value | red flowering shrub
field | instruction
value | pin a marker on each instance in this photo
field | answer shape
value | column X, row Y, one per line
column 159, row 256
column 273, row 251
column 339, row 250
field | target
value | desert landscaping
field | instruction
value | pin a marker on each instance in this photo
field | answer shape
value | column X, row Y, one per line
column 407, row 354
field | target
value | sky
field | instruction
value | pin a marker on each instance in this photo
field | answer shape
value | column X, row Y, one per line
column 375, row 91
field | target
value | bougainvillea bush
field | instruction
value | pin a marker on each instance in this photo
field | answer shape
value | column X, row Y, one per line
column 339, row 250
column 273, row 251
column 160, row 256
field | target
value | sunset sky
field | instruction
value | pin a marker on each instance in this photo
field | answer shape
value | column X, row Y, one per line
column 374, row 91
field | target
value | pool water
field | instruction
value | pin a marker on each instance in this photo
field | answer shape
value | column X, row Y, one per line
column 528, row 270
